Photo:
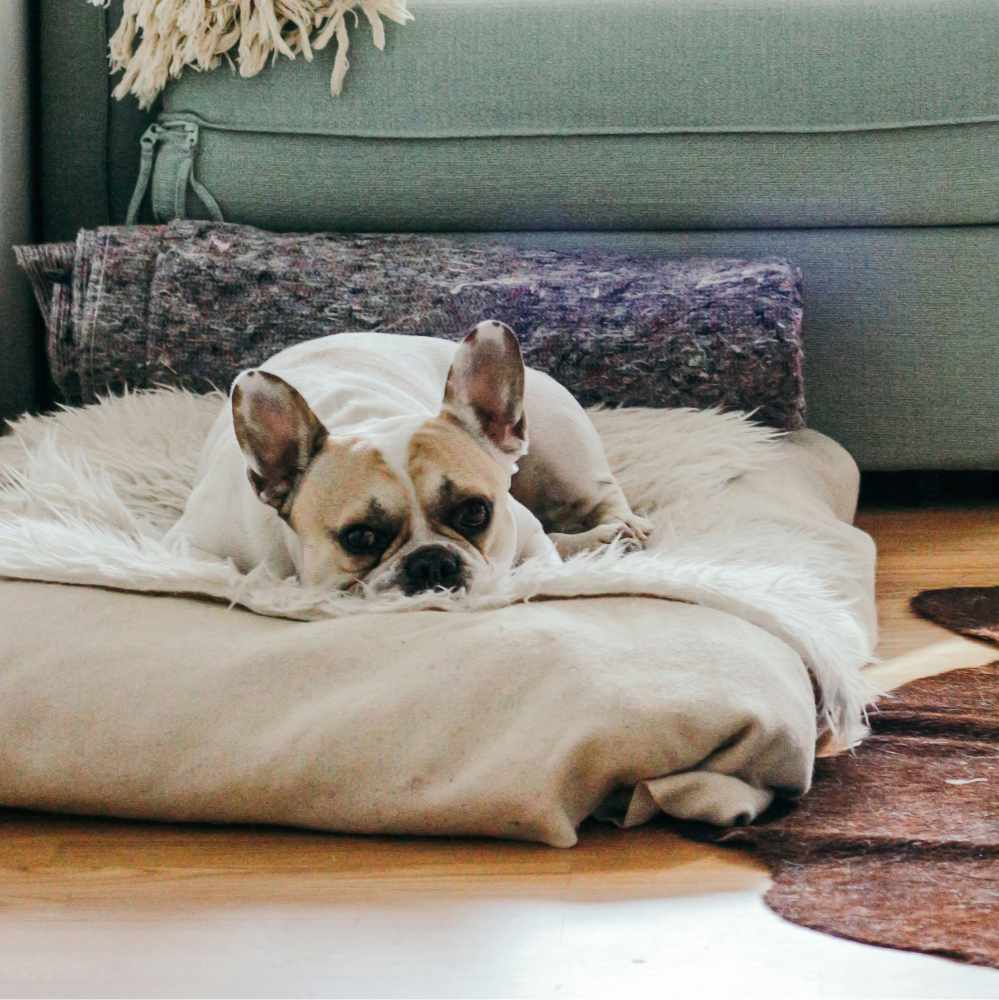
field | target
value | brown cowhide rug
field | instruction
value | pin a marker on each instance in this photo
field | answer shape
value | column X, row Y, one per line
column 897, row 844
column 971, row 610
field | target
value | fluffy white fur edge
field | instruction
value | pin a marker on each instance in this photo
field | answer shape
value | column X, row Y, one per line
column 86, row 496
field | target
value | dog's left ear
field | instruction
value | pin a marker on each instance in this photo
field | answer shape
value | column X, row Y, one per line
column 485, row 388
column 277, row 432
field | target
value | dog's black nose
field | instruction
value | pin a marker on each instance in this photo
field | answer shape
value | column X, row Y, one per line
column 432, row 566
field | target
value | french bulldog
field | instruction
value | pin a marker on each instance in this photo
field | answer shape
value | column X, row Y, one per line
column 375, row 462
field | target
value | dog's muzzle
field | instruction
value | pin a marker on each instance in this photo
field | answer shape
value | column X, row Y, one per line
column 431, row 567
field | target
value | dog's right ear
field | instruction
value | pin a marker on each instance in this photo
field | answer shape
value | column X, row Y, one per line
column 278, row 434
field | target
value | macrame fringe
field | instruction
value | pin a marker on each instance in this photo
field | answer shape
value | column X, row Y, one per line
column 158, row 39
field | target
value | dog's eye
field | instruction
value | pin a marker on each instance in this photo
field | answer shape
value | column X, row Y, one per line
column 472, row 516
column 362, row 540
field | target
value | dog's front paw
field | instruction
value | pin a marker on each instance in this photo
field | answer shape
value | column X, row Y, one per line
column 571, row 544
column 634, row 528
column 633, row 531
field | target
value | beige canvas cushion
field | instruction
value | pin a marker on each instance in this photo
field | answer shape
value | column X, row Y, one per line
column 518, row 721
column 513, row 723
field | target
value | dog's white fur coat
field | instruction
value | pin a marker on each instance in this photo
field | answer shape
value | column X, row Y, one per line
column 87, row 495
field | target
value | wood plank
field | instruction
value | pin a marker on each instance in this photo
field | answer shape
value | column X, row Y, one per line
column 923, row 549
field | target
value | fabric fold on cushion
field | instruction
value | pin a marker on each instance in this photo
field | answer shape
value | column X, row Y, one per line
column 513, row 723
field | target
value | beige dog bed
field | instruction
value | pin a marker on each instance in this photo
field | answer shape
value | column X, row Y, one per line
column 516, row 712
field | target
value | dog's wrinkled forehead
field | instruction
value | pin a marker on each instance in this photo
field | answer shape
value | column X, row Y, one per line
column 349, row 481
column 444, row 464
column 420, row 466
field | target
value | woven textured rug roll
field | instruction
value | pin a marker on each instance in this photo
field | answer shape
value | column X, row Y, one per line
column 193, row 303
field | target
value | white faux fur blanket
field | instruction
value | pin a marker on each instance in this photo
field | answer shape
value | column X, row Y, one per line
column 158, row 39
column 87, row 495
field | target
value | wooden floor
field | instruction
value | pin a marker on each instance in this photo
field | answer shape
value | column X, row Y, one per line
column 92, row 908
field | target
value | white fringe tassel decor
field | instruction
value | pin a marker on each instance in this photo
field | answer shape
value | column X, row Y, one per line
column 158, row 39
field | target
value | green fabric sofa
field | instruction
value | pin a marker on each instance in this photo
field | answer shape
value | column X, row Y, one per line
column 859, row 140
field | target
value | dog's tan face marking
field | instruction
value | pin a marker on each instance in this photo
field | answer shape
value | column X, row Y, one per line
column 348, row 490
column 354, row 514
column 449, row 472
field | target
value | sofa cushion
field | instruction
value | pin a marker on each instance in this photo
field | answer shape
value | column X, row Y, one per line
column 575, row 67
column 644, row 115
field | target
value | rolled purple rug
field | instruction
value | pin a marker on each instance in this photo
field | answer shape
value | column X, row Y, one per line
column 192, row 303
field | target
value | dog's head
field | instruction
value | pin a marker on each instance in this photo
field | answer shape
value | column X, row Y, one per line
column 419, row 503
